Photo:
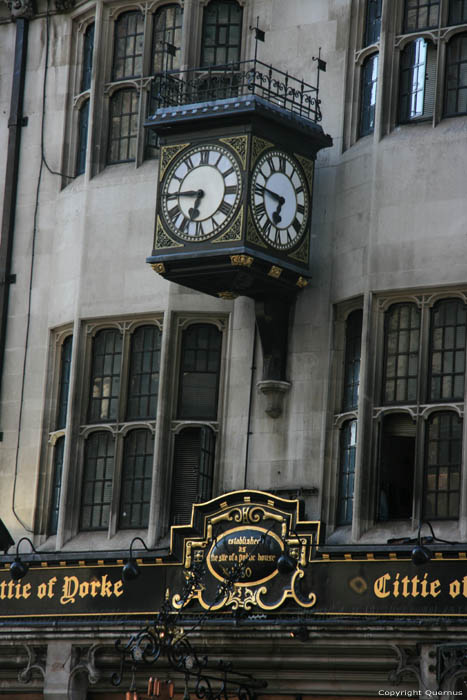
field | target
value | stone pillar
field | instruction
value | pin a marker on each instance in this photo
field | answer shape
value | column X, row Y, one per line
column 58, row 683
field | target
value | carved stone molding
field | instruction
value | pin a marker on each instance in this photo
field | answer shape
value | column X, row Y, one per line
column 21, row 9
column 36, row 663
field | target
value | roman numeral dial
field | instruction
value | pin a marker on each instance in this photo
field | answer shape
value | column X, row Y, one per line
column 201, row 192
column 279, row 199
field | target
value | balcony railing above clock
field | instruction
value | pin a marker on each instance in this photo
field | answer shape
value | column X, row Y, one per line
column 236, row 80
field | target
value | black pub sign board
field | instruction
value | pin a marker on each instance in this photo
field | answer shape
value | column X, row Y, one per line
column 243, row 551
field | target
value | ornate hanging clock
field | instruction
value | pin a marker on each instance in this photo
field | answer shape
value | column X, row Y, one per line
column 233, row 206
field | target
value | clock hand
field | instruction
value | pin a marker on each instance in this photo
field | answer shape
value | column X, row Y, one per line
column 188, row 193
column 274, row 195
column 194, row 211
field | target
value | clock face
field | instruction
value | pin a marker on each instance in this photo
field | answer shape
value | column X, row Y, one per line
column 201, row 192
column 279, row 199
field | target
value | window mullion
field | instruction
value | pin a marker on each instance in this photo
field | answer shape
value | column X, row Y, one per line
column 463, row 484
column 363, row 476
column 116, row 484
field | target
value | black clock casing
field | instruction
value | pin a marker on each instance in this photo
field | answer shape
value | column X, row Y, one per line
column 234, row 200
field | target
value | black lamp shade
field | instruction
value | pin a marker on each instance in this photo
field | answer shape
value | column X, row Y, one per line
column 130, row 571
column 420, row 555
column 18, row 569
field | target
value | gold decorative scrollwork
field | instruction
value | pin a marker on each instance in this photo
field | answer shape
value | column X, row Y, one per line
column 162, row 238
column 168, row 153
column 234, row 233
column 252, row 234
column 308, row 168
column 159, row 268
column 242, row 260
column 247, row 515
column 239, row 145
column 303, row 252
column 258, row 146
column 245, row 597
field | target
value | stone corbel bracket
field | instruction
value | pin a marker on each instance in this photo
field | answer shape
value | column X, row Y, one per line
column 274, row 390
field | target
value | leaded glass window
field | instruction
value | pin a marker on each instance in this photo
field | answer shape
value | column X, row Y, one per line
column 373, row 21
column 456, row 76
column 353, row 342
column 421, row 14
column 128, row 47
column 443, row 466
column 96, row 494
column 56, row 485
column 136, row 479
column 194, row 450
column 402, row 338
column 199, row 372
column 83, row 126
column 123, row 125
column 65, row 366
column 348, row 445
column 417, row 81
column 105, row 376
column 368, row 95
column 448, row 325
column 143, row 385
column 222, row 33
column 88, row 49
column 457, row 12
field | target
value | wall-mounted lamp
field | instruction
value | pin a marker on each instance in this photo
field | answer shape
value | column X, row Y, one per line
column 131, row 570
column 285, row 563
column 420, row 553
column 18, row 568
column 6, row 540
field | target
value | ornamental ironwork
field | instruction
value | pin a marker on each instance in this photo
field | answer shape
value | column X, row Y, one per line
column 234, row 80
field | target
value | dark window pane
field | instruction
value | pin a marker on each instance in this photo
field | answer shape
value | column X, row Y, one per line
column 105, row 376
column 368, row 95
column 421, row 14
column 88, row 48
column 193, row 468
column 402, row 329
column 222, row 22
column 442, row 466
column 373, row 21
column 128, row 48
column 136, row 479
column 456, row 76
column 199, row 372
column 353, row 341
column 97, row 481
column 56, row 485
column 348, row 444
column 457, row 12
column 143, row 382
column 397, row 464
column 123, row 126
column 83, row 123
column 65, row 366
column 448, row 323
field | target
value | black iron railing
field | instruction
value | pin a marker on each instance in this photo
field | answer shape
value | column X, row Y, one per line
column 244, row 78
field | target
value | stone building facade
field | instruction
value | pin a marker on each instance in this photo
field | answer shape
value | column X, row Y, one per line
column 126, row 398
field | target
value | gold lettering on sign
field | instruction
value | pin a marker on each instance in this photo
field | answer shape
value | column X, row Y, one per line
column 72, row 588
column 407, row 587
